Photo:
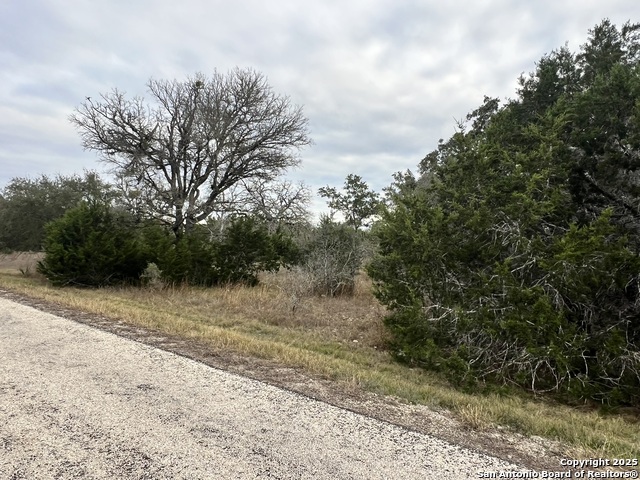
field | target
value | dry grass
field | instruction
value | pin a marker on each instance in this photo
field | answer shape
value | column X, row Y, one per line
column 23, row 262
column 338, row 338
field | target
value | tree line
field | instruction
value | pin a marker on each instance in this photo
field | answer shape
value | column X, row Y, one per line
column 92, row 237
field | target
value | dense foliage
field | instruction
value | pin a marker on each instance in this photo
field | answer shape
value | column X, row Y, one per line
column 248, row 248
column 97, row 245
column 92, row 246
column 27, row 205
column 514, row 257
column 236, row 255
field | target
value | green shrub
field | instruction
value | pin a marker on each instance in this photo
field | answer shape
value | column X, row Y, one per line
column 559, row 315
column 92, row 246
column 236, row 255
column 189, row 259
column 246, row 249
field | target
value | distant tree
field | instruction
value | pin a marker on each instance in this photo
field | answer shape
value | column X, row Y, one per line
column 27, row 205
column 357, row 202
column 201, row 137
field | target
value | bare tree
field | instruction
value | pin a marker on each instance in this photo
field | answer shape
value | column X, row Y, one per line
column 201, row 138
column 278, row 204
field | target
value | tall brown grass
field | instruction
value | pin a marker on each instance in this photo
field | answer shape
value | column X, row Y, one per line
column 23, row 262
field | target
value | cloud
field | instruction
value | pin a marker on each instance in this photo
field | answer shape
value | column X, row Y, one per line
column 381, row 81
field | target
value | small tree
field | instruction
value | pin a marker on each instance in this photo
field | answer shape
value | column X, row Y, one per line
column 189, row 259
column 357, row 202
column 203, row 136
column 92, row 246
column 248, row 248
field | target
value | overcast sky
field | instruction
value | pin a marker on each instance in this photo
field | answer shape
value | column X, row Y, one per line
column 380, row 81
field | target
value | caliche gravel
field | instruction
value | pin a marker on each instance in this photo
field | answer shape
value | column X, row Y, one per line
column 77, row 402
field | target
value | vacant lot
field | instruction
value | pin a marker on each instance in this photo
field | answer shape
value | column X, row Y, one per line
column 334, row 349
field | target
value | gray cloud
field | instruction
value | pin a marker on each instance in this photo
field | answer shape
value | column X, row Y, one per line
column 380, row 80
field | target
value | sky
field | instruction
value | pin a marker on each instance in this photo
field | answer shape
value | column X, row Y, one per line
column 381, row 81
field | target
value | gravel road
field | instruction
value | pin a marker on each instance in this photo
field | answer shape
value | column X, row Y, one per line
column 78, row 402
